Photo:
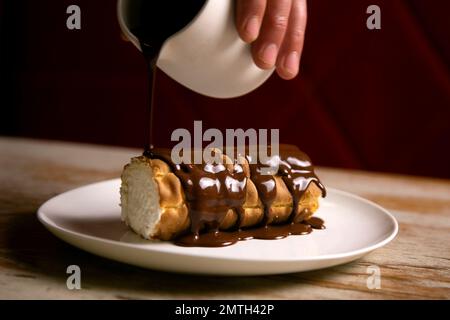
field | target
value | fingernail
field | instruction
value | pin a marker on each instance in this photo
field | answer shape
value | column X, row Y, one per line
column 291, row 63
column 252, row 28
column 269, row 54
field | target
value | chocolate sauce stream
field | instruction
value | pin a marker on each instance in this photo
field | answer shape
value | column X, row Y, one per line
column 268, row 232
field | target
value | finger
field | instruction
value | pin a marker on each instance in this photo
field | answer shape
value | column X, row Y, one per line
column 265, row 48
column 288, row 61
column 249, row 15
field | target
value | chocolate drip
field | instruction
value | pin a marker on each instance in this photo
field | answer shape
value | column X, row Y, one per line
column 153, row 22
column 211, row 190
column 297, row 172
column 316, row 223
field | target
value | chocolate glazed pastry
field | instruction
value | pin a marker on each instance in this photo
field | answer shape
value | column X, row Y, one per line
column 219, row 204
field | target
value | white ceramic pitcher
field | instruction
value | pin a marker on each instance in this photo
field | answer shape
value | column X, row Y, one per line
column 207, row 55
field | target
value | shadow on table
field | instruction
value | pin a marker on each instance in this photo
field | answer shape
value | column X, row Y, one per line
column 33, row 251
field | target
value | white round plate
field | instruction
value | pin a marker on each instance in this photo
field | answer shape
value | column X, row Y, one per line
column 89, row 218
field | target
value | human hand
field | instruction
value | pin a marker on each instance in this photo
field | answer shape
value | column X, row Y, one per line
column 276, row 30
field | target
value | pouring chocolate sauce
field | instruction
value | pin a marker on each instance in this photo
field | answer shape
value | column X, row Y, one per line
column 153, row 22
column 212, row 190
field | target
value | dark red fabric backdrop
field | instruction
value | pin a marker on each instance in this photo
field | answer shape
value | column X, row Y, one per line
column 377, row 100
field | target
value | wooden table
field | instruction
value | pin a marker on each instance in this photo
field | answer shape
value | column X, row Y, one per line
column 33, row 262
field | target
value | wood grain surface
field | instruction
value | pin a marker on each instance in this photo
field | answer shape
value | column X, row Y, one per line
column 416, row 265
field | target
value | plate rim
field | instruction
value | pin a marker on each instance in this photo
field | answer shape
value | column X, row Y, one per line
column 50, row 225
